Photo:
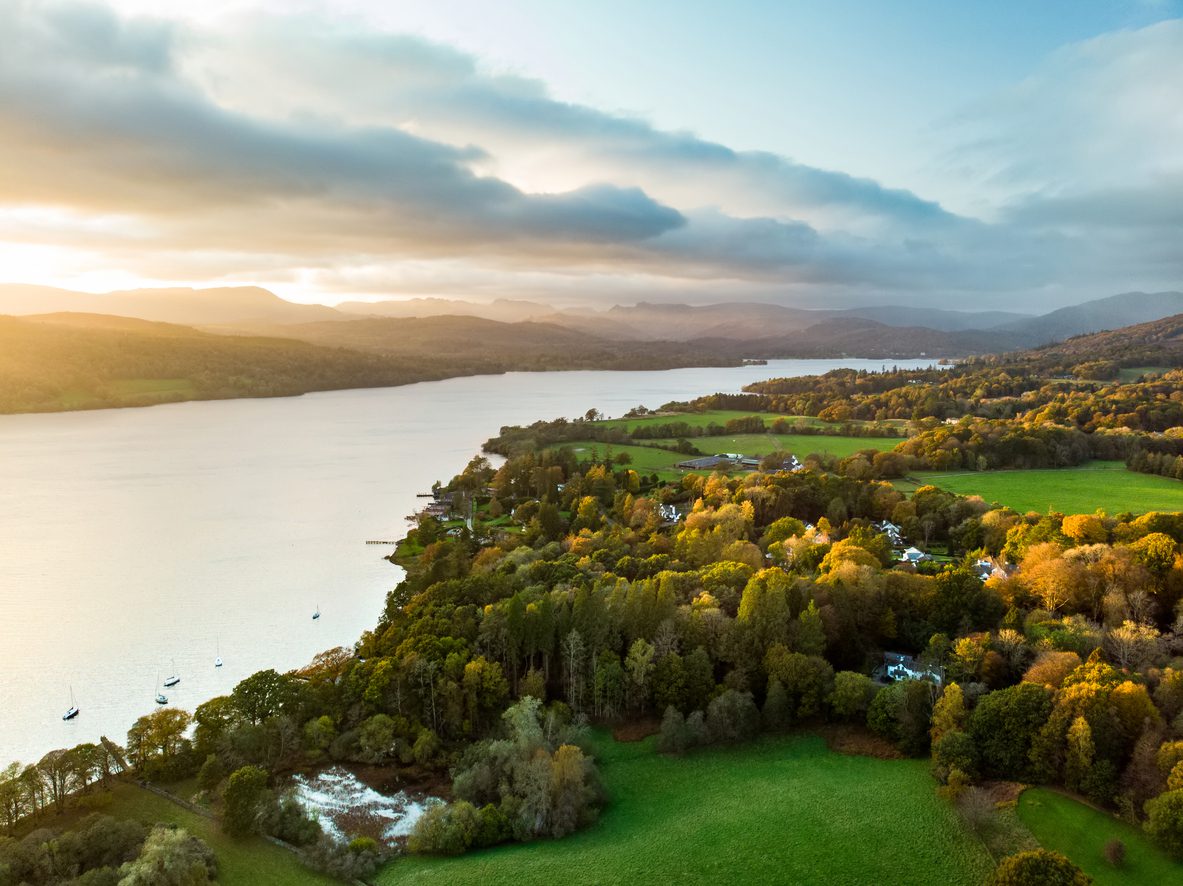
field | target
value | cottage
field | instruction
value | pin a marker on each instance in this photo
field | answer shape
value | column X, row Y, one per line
column 914, row 555
column 898, row 666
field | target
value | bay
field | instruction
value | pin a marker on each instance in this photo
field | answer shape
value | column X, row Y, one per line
column 134, row 539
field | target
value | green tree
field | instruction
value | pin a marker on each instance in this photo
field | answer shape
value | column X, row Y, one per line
column 1164, row 821
column 243, row 800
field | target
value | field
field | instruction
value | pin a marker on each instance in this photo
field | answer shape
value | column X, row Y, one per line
column 722, row 416
column 1133, row 373
column 649, row 459
column 1098, row 484
column 1081, row 832
column 800, row 445
column 250, row 862
column 783, row 810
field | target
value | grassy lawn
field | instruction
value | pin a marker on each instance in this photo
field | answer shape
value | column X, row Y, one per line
column 783, row 810
column 1098, row 484
column 1081, row 832
column 240, row 862
column 645, row 459
column 722, row 416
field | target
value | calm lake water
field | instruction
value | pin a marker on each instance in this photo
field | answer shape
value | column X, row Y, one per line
column 131, row 539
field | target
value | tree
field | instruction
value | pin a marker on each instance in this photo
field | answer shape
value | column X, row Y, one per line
column 776, row 714
column 171, row 857
column 638, row 667
column 1038, row 867
column 1004, row 725
column 673, row 738
column 1079, row 760
column 262, row 694
column 243, row 800
column 810, row 638
column 852, row 695
column 1164, row 821
column 948, row 714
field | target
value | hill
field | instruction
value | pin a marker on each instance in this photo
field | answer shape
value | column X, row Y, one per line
column 1157, row 343
column 191, row 307
column 1093, row 316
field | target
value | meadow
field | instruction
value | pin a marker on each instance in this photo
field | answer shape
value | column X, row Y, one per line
column 722, row 416
column 784, row 810
column 1081, row 490
column 246, row 862
column 1081, row 832
column 800, row 445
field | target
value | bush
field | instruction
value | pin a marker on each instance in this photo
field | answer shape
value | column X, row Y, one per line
column 1038, row 868
column 289, row 821
column 732, row 716
column 445, row 829
column 211, row 773
column 954, row 751
column 673, row 738
column 1115, row 853
column 357, row 860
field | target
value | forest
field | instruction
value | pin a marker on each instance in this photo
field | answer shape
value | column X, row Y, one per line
column 711, row 609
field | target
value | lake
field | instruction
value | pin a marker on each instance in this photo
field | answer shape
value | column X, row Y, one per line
column 136, row 541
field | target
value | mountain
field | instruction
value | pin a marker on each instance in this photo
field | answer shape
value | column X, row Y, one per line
column 1113, row 312
column 191, row 307
column 506, row 310
column 1157, row 343
column 936, row 318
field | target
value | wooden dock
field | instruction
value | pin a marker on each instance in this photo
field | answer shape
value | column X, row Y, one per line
column 382, row 542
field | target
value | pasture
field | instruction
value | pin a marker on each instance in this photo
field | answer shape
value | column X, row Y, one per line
column 779, row 810
column 1080, row 490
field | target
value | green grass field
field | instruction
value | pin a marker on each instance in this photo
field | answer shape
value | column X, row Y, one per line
column 1133, row 373
column 722, row 416
column 783, row 810
column 249, row 862
column 1098, row 484
column 1081, row 832
column 800, row 445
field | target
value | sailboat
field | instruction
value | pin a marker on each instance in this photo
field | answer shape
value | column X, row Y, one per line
column 161, row 698
column 73, row 710
column 218, row 656
column 316, row 614
column 174, row 679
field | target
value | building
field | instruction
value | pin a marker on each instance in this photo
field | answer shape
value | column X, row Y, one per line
column 892, row 531
column 722, row 459
column 898, row 666
column 914, row 555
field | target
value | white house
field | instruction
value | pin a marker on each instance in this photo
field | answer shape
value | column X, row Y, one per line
column 914, row 555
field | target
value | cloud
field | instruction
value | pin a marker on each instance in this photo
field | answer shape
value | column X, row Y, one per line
column 299, row 148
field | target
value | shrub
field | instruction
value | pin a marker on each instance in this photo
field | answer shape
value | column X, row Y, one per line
column 673, row 738
column 1115, row 853
column 1038, row 868
column 211, row 773
column 732, row 716
column 445, row 829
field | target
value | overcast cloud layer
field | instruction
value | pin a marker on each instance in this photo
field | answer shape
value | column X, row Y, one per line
column 324, row 157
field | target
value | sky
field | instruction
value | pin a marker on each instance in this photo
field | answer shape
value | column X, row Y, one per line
column 979, row 155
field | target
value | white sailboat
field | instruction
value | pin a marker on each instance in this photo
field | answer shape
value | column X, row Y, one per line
column 72, row 712
column 174, row 679
column 161, row 698
column 218, row 655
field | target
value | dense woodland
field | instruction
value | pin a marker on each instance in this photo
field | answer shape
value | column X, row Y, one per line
column 767, row 605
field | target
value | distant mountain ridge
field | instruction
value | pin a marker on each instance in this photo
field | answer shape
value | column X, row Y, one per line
column 756, row 328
